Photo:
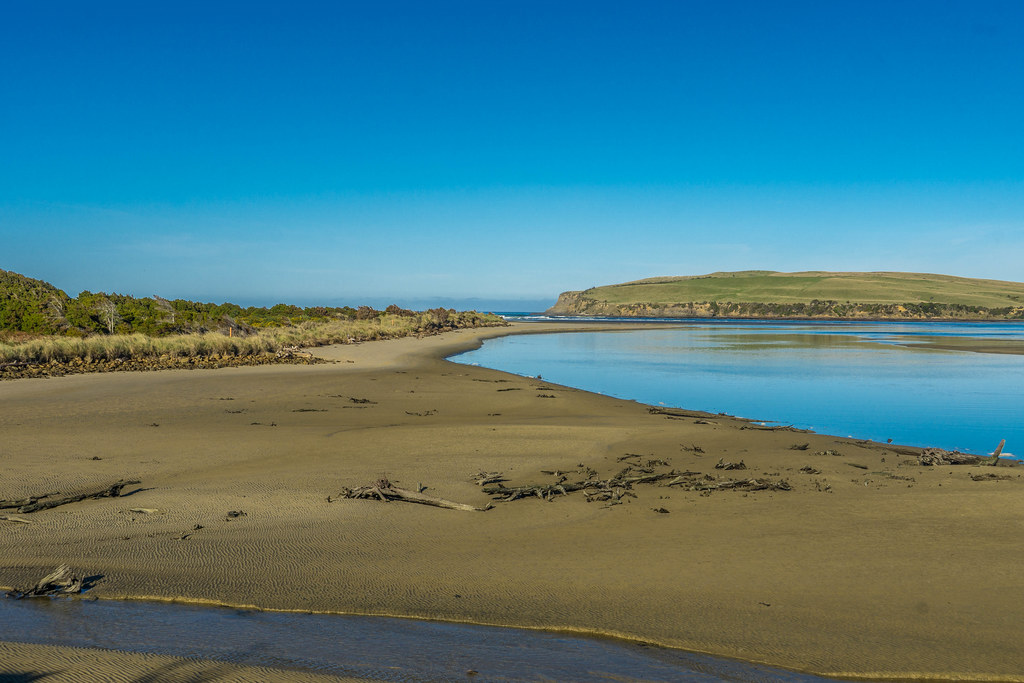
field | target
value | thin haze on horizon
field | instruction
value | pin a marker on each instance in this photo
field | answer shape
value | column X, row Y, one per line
column 351, row 152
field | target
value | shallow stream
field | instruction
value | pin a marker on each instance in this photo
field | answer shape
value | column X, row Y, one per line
column 374, row 648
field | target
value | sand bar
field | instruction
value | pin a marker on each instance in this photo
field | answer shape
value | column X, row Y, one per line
column 872, row 567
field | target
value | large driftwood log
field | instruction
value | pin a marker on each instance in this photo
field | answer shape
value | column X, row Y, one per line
column 60, row 582
column 19, row 502
column 676, row 412
column 937, row 456
column 47, row 501
column 384, row 490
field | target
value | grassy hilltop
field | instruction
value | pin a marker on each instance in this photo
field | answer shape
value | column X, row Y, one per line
column 813, row 294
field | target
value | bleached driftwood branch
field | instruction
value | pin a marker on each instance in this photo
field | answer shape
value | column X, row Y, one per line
column 384, row 490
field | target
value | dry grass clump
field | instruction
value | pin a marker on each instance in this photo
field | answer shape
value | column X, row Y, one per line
column 269, row 340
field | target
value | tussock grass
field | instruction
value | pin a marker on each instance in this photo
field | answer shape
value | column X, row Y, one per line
column 268, row 340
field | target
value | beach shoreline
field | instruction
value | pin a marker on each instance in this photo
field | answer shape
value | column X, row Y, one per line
column 850, row 573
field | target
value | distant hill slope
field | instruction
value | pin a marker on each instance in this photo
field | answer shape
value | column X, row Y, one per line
column 813, row 294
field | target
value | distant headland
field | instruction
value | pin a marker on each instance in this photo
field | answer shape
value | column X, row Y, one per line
column 811, row 294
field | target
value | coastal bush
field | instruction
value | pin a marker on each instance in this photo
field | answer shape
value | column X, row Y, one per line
column 111, row 347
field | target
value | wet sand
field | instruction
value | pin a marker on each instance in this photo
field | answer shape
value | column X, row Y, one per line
column 874, row 567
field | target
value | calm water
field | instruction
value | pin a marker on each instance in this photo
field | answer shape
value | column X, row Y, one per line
column 849, row 379
column 366, row 647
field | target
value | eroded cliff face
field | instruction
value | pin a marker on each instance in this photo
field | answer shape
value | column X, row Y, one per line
column 579, row 304
column 570, row 303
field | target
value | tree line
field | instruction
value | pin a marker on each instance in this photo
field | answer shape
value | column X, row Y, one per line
column 34, row 306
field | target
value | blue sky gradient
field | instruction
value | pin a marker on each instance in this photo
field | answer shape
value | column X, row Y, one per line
column 351, row 152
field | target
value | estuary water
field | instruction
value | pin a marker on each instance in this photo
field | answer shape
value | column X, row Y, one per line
column 875, row 381
column 371, row 648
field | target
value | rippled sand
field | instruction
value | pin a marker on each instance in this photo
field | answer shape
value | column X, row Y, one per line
column 888, row 569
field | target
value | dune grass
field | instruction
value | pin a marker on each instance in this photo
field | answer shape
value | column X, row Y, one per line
column 269, row 340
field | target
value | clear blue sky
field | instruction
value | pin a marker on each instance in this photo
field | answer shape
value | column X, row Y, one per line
column 315, row 152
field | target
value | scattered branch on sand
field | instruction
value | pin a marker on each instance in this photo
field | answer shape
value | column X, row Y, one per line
column 47, row 501
column 989, row 477
column 60, row 582
column 674, row 412
column 779, row 428
column 723, row 465
column 12, row 518
column 482, row 478
column 619, row 486
column 386, row 491
column 709, row 483
column 594, row 489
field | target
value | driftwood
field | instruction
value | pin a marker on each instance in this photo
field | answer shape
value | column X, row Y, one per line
column 613, row 488
column 937, row 456
column 777, row 428
column 20, row 502
column 995, row 454
column 708, row 483
column 384, row 490
column 47, row 501
column 293, row 352
column 12, row 518
column 723, row 465
column 60, row 582
column 549, row 491
column 675, row 412
column 482, row 478
column 989, row 477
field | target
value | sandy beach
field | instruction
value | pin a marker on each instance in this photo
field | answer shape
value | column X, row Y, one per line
column 871, row 566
